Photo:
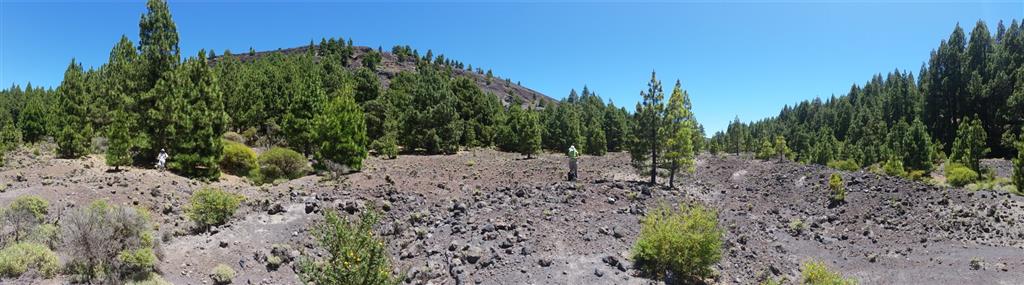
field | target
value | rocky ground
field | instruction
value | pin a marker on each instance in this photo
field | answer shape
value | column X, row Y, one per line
column 486, row 217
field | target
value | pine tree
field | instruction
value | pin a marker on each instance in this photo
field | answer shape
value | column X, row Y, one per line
column 34, row 118
column 341, row 132
column 158, row 41
column 158, row 56
column 597, row 142
column 650, row 117
column 615, row 127
column 678, row 130
column 367, row 85
column 781, row 149
column 564, row 127
column 523, row 134
column 529, row 142
column 432, row 121
column 306, row 98
column 119, row 141
column 918, row 148
column 766, row 151
column 735, row 133
column 698, row 139
column 74, row 135
column 190, row 113
column 969, row 147
column 10, row 136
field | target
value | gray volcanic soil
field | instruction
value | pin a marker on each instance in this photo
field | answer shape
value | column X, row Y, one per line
column 494, row 218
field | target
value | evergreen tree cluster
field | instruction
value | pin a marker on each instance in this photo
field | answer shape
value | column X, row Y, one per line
column 664, row 136
column 326, row 101
column 968, row 101
column 585, row 121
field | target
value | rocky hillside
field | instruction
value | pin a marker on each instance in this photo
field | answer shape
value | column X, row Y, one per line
column 487, row 217
column 391, row 65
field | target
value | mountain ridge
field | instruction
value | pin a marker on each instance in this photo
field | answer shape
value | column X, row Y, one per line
column 391, row 65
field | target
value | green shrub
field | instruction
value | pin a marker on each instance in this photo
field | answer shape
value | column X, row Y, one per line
column 249, row 135
column 354, row 254
column 773, row 281
column 386, row 146
column 282, row 163
column 24, row 214
column 686, row 241
column 222, row 274
column 969, row 146
column 151, row 279
column 105, row 242
column 46, row 234
column 238, row 159
column 274, row 262
column 341, row 133
column 33, row 206
column 837, row 187
column 894, row 167
column 797, row 226
column 139, row 261
column 233, row 137
column 767, row 150
column 917, row 175
column 992, row 183
column 816, row 273
column 959, row 175
column 1018, row 167
column 845, row 165
column 212, row 207
column 18, row 258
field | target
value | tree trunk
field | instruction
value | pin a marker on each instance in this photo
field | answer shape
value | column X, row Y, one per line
column 672, row 175
column 654, row 156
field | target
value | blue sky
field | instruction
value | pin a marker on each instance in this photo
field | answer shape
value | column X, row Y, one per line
column 745, row 58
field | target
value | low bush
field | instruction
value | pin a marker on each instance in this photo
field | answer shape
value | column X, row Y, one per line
column 686, row 242
column 222, row 274
column 797, row 226
column 233, row 137
column 894, row 167
column 959, row 175
column 386, row 146
column 238, row 159
column 108, row 243
column 24, row 214
column 837, row 188
column 845, row 165
column 18, row 258
column 151, row 279
column 917, row 175
column 141, row 260
column 992, row 183
column 816, row 273
column 45, row 234
column 249, row 135
column 281, row 163
column 274, row 262
column 353, row 254
column 212, row 207
column 1018, row 167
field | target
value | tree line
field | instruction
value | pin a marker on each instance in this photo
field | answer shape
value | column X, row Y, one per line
column 966, row 102
column 322, row 102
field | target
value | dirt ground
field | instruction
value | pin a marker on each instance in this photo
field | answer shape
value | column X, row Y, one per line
column 487, row 217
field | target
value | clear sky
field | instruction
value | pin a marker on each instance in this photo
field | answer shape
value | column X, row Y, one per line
column 745, row 58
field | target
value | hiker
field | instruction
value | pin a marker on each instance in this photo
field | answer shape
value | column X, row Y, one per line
column 572, row 162
column 161, row 159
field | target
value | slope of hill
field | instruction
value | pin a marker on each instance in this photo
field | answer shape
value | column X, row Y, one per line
column 487, row 217
column 390, row 65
